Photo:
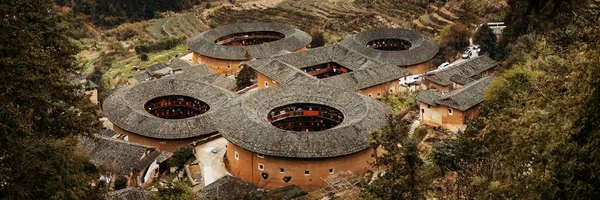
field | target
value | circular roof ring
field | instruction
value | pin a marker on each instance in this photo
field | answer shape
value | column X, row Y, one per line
column 166, row 108
column 395, row 46
column 247, row 121
column 258, row 39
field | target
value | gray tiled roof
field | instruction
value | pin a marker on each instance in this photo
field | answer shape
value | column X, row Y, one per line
column 128, row 156
column 179, row 63
column 465, row 69
column 366, row 72
column 225, row 82
column 142, row 77
column 243, row 121
column 462, row 98
column 428, row 97
column 125, row 108
column 227, row 187
column 193, row 72
column 422, row 48
column 156, row 67
column 456, row 78
column 204, row 43
column 107, row 133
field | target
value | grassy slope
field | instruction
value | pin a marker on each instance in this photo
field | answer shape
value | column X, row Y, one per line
column 122, row 70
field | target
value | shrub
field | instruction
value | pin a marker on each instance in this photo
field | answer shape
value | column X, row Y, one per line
column 144, row 57
column 180, row 156
column 120, row 183
column 244, row 78
column 163, row 44
column 318, row 38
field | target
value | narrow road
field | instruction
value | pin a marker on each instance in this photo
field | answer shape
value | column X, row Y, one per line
column 212, row 164
column 414, row 126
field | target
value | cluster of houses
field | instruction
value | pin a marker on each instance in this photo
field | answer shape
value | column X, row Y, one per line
column 336, row 87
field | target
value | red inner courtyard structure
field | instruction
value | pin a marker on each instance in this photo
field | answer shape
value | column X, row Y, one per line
column 390, row 44
column 249, row 38
column 176, row 107
column 305, row 117
column 326, row 70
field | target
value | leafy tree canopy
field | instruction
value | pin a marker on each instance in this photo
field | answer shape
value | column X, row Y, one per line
column 40, row 111
column 486, row 39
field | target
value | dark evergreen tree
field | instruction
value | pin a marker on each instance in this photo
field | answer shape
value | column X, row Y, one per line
column 486, row 39
column 318, row 38
column 40, row 111
column 244, row 77
column 405, row 175
column 180, row 156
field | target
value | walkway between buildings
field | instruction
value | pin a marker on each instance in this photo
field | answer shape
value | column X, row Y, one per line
column 210, row 158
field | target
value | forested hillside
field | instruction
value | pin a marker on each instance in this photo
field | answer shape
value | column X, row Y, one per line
column 110, row 13
column 41, row 112
column 539, row 133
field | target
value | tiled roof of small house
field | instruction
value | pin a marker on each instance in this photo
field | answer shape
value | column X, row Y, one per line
column 428, row 97
column 125, row 108
column 461, row 79
column 243, row 121
column 144, row 76
column 365, row 72
column 464, row 69
column 128, row 156
column 107, row 133
column 462, row 98
column 156, row 67
column 421, row 50
column 204, row 43
column 184, row 70
column 227, row 187
column 129, row 194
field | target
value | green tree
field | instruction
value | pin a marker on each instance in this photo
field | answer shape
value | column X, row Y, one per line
column 541, row 118
column 486, row 39
column 405, row 175
column 453, row 39
column 120, row 182
column 144, row 57
column 175, row 191
column 244, row 78
column 318, row 38
column 180, row 156
column 40, row 111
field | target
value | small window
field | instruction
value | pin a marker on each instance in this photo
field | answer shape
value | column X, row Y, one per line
column 370, row 95
column 422, row 110
column 428, row 106
column 237, row 155
column 228, row 67
column 306, row 172
column 281, row 170
column 378, row 94
column 266, row 84
column 450, row 111
column 330, row 170
column 391, row 90
column 260, row 155
column 261, row 166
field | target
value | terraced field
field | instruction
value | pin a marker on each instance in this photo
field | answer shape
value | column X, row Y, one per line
column 179, row 25
column 337, row 17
